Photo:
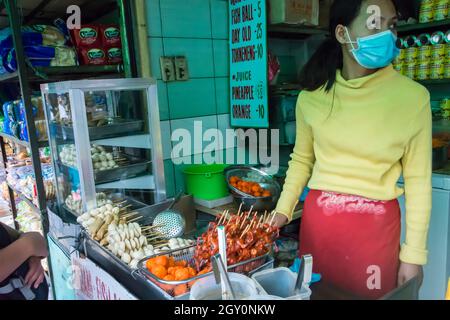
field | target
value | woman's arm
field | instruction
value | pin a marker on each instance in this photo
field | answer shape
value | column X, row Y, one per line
column 28, row 245
column 300, row 168
column 417, row 164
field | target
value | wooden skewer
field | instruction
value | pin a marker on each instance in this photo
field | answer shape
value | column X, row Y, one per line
column 119, row 202
column 127, row 215
column 259, row 221
column 135, row 219
column 125, row 207
column 160, row 245
column 152, row 227
column 239, row 210
column 221, row 217
column 245, row 231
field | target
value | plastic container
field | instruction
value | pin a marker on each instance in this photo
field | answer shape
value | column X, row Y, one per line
column 264, row 297
column 280, row 282
column 206, row 182
column 207, row 288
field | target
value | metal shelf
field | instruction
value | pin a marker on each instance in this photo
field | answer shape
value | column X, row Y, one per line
column 44, row 74
column 419, row 27
column 42, row 144
column 439, row 82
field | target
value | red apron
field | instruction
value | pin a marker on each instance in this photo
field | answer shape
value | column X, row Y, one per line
column 355, row 242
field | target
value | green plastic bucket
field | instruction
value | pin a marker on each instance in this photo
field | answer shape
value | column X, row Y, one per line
column 206, row 181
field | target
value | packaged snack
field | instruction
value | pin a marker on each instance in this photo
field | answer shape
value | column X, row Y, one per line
column 114, row 55
column 92, row 56
column 111, row 36
column 88, row 35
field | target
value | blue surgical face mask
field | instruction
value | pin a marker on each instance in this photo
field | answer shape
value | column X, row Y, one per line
column 375, row 51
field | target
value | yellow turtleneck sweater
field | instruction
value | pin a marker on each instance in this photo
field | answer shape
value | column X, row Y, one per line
column 378, row 129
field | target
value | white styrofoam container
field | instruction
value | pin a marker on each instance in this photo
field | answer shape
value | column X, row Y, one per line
column 214, row 203
column 280, row 282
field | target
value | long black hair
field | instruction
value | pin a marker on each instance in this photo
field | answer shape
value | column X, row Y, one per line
column 320, row 71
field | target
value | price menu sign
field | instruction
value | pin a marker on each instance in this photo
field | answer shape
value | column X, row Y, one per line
column 248, row 64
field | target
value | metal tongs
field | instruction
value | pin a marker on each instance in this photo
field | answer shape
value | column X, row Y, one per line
column 221, row 276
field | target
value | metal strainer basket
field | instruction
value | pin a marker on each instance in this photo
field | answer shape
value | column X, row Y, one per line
column 171, row 224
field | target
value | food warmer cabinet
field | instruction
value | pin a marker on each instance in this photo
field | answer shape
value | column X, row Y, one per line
column 105, row 138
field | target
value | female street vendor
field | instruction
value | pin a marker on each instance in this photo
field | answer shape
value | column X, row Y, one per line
column 360, row 126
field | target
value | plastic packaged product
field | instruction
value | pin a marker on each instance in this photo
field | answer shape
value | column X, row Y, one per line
column 439, row 47
column 423, row 71
column 437, row 70
column 441, row 8
column 87, row 35
column 111, row 35
column 426, row 13
column 92, row 56
column 114, row 55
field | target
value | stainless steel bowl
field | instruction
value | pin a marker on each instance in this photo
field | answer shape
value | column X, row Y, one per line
column 266, row 181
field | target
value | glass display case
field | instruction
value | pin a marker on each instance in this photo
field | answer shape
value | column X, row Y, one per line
column 105, row 140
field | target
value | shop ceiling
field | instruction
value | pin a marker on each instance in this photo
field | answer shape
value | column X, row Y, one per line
column 45, row 11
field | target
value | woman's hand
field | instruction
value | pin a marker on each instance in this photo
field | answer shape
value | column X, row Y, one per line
column 35, row 243
column 35, row 275
column 280, row 220
column 408, row 271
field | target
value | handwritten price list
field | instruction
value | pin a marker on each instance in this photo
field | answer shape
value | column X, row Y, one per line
column 248, row 64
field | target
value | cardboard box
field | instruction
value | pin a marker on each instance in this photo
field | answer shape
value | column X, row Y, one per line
column 294, row 12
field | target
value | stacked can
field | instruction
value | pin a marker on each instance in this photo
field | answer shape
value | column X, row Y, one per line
column 438, row 55
column 447, row 55
column 445, row 108
column 441, row 10
column 426, row 13
column 399, row 61
column 410, row 64
column 434, row 10
column 423, row 57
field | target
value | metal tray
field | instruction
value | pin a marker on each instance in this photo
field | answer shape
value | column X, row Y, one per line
column 166, row 287
column 122, row 173
column 117, row 129
column 131, row 279
column 134, row 169
column 135, row 205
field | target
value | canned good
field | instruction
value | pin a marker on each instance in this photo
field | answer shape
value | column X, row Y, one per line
column 426, row 15
column 423, row 71
column 410, row 41
column 447, row 70
column 439, row 46
column 447, row 47
column 411, row 54
column 424, row 54
column 437, row 70
column 438, row 53
column 440, row 10
column 445, row 104
column 401, row 56
column 411, row 71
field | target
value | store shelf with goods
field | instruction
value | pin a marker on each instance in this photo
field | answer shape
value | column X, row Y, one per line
column 294, row 31
column 423, row 27
column 26, row 144
column 46, row 74
column 24, row 198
